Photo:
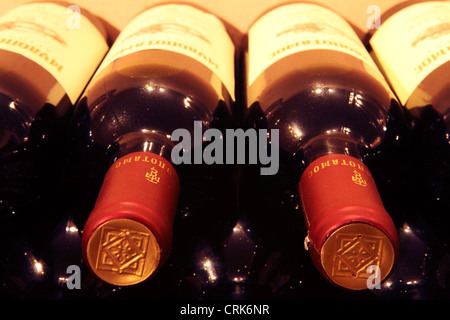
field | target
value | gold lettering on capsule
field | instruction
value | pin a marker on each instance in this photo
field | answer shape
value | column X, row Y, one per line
column 333, row 163
column 148, row 159
column 358, row 179
column 152, row 176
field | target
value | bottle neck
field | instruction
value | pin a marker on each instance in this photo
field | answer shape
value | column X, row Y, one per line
column 135, row 210
column 326, row 144
column 144, row 141
column 344, row 213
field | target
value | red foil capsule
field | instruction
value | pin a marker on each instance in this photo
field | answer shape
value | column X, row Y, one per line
column 353, row 241
column 128, row 235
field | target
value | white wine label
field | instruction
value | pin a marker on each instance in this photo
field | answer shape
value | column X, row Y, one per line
column 412, row 43
column 299, row 27
column 45, row 33
column 181, row 29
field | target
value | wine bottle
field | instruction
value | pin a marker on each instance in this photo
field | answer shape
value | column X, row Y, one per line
column 310, row 79
column 40, row 42
column 415, row 61
column 48, row 51
column 171, row 66
column 418, row 82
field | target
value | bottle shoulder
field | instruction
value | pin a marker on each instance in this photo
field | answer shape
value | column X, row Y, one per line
column 15, row 123
column 134, row 95
column 328, row 95
column 307, row 70
column 160, row 68
column 19, row 82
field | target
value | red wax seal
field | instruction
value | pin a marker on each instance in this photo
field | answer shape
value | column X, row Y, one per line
column 128, row 235
column 353, row 241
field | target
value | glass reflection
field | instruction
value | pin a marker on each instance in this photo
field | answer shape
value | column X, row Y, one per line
column 208, row 266
column 410, row 274
column 36, row 267
column 239, row 251
column 65, row 249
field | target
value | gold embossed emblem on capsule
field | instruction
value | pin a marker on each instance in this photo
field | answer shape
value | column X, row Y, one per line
column 123, row 252
column 353, row 252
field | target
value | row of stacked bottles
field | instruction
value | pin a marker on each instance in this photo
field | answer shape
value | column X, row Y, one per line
column 174, row 163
